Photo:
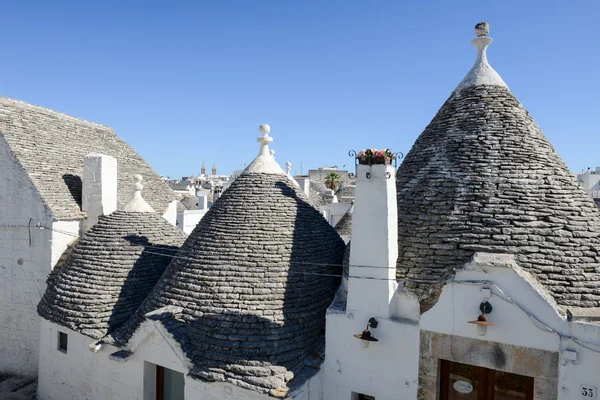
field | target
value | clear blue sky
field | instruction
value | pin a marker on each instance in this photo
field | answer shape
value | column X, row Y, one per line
column 184, row 82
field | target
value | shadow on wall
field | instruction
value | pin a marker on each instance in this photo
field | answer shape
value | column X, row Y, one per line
column 140, row 280
column 74, row 185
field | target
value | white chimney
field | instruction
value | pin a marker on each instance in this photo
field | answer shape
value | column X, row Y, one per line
column 202, row 200
column 99, row 187
column 374, row 245
column 377, row 349
column 304, row 184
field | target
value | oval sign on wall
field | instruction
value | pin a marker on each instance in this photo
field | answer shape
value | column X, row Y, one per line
column 463, row 387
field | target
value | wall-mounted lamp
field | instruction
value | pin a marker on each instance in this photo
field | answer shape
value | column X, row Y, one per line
column 482, row 321
column 366, row 337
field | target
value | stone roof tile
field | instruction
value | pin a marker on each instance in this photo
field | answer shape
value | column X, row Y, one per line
column 51, row 148
column 252, row 307
column 482, row 177
column 109, row 272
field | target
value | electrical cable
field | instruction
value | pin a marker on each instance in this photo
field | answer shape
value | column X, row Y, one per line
column 536, row 322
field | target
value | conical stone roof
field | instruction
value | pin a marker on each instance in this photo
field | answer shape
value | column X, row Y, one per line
column 251, row 282
column 109, row 272
column 482, row 177
column 344, row 225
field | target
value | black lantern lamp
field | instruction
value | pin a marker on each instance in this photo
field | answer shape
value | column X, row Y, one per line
column 482, row 321
column 366, row 337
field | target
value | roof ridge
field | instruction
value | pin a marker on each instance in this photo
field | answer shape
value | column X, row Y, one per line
column 50, row 111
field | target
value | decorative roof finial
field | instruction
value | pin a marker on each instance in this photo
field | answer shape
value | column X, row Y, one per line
column 265, row 161
column 482, row 29
column 272, row 153
column 482, row 72
column 288, row 167
column 137, row 202
column 265, row 139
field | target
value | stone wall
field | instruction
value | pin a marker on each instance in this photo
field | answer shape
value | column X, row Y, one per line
column 25, row 257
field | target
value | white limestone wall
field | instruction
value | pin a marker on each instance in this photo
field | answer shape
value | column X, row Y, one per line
column 337, row 211
column 574, row 376
column 24, row 265
column 188, row 219
column 387, row 369
column 304, row 183
column 459, row 303
column 170, row 213
column 63, row 234
column 80, row 374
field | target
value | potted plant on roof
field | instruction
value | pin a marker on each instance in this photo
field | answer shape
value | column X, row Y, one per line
column 374, row 156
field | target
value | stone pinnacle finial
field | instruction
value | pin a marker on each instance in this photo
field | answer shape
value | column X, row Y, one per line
column 482, row 29
column 137, row 178
column 265, row 162
column 482, row 72
column 265, row 129
column 137, row 202
column 272, row 153
column 265, row 139
column 288, row 167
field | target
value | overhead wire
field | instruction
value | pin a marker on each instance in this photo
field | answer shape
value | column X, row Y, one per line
column 535, row 321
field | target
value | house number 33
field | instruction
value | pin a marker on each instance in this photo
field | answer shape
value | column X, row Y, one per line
column 588, row 392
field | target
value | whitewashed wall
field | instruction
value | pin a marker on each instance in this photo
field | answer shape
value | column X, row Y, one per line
column 170, row 213
column 63, row 234
column 459, row 303
column 24, row 265
column 81, row 374
column 387, row 369
column 188, row 219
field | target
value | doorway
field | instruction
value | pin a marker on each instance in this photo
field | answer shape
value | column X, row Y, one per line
column 468, row 382
column 169, row 384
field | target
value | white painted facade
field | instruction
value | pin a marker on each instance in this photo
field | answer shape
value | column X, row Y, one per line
column 335, row 211
column 25, row 259
column 590, row 181
column 170, row 213
column 526, row 319
column 188, row 219
column 81, row 373
column 31, row 242
column 304, row 183
column 525, row 315
column 387, row 369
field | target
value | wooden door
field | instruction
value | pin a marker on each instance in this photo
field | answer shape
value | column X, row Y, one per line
column 468, row 382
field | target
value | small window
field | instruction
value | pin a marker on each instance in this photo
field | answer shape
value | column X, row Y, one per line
column 62, row 342
column 360, row 396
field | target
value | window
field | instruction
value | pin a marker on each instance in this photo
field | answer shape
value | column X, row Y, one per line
column 360, row 396
column 62, row 342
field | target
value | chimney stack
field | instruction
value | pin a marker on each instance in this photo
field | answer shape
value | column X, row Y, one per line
column 374, row 245
column 99, row 187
